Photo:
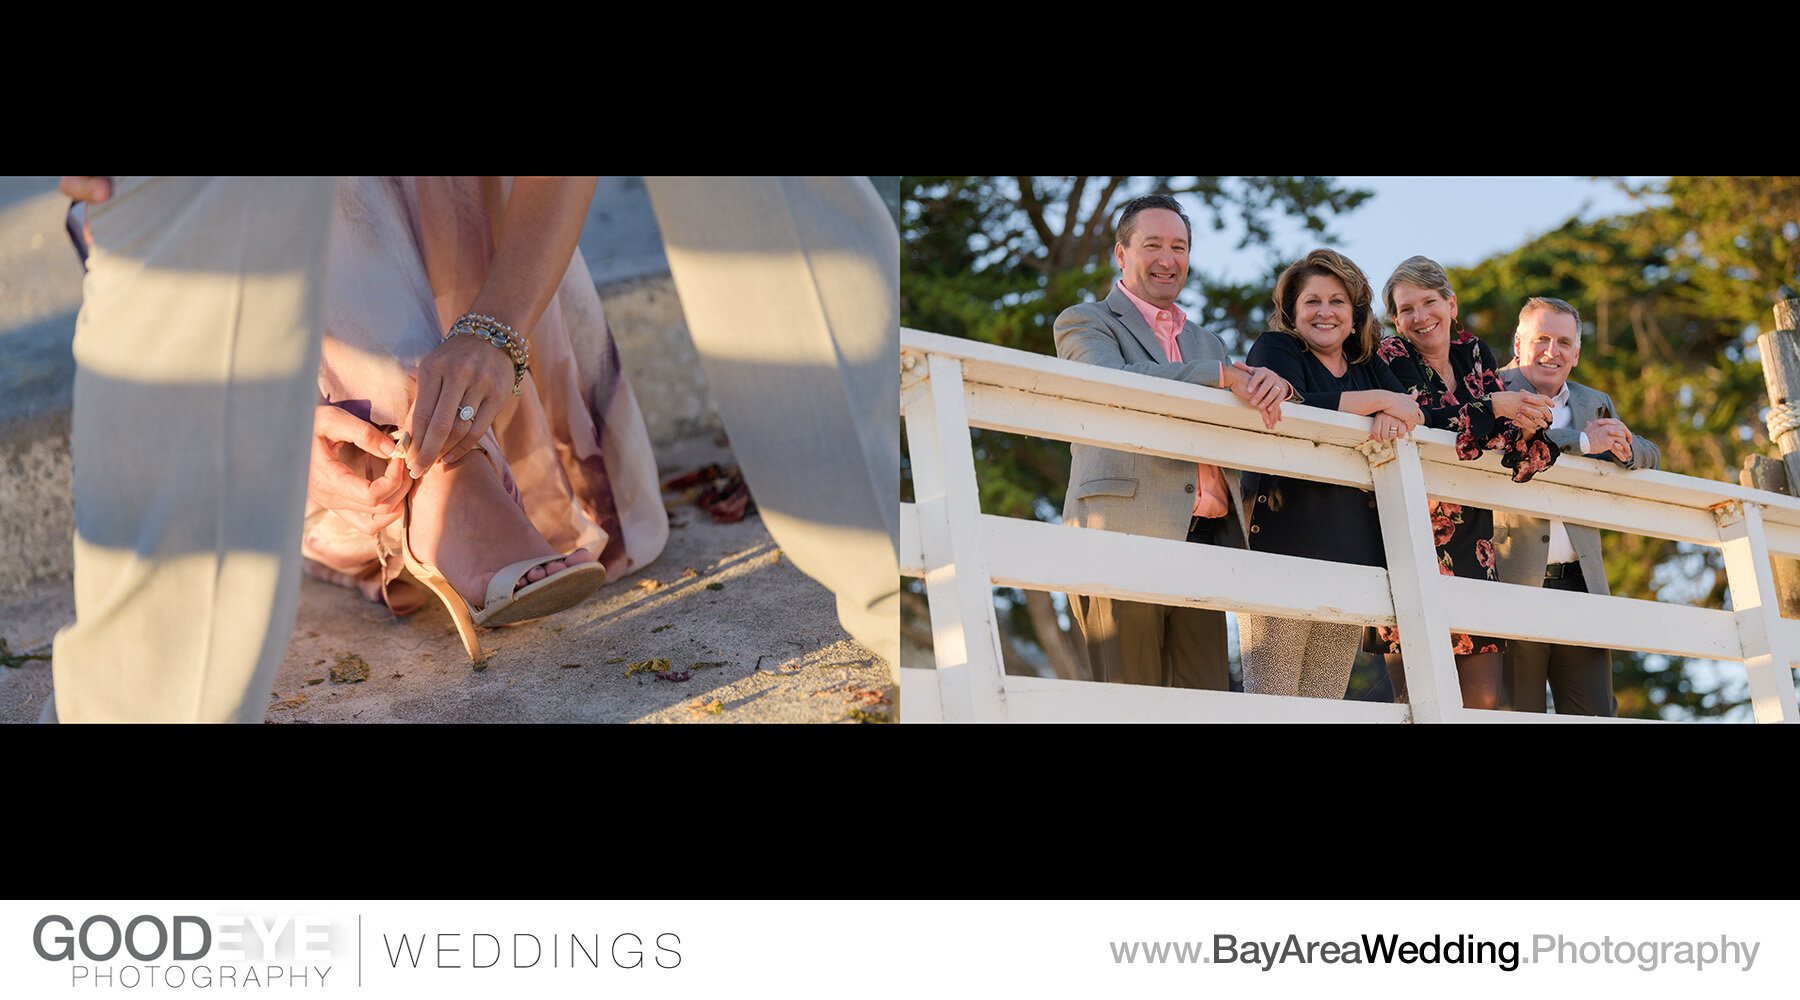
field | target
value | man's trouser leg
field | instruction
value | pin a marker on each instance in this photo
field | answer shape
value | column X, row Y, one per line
column 1131, row 642
column 791, row 289
column 197, row 353
column 1198, row 653
column 1579, row 677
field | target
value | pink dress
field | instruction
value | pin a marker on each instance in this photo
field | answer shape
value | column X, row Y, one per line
column 408, row 255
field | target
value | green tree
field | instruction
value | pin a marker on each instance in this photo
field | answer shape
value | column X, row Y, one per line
column 1673, row 297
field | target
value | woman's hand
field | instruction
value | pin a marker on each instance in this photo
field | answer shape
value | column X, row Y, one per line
column 538, row 235
column 1404, row 407
column 1529, row 411
column 462, row 371
column 1386, row 426
column 368, row 505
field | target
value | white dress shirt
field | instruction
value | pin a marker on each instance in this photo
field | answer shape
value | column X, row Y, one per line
column 1561, row 549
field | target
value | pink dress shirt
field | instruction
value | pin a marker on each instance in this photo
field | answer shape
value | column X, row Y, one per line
column 1209, row 493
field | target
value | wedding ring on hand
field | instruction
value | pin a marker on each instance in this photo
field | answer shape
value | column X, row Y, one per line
column 466, row 413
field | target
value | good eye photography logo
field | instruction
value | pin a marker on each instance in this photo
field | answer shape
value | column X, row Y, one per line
column 185, row 950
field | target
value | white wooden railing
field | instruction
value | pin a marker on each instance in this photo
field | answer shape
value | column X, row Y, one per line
column 949, row 385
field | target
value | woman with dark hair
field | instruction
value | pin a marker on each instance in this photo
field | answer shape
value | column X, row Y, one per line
column 1324, row 345
column 1459, row 388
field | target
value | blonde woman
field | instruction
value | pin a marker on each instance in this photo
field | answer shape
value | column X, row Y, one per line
column 1459, row 388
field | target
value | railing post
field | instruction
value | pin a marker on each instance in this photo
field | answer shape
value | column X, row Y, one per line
column 1419, row 607
column 958, row 586
column 1779, row 350
column 1760, row 631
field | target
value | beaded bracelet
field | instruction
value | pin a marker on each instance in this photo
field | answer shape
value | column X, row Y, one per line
column 500, row 335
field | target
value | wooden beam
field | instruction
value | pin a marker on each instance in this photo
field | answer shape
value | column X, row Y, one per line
column 1038, row 556
column 1763, row 636
column 1420, row 609
column 1162, row 434
column 1045, row 700
column 964, row 634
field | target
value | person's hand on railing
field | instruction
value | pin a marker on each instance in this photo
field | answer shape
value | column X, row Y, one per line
column 1404, row 407
column 1608, row 435
column 1260, row 387
column 1529, row 411
column 1386, row 427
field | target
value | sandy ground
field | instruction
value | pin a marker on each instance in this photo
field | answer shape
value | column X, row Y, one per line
column 746, row 638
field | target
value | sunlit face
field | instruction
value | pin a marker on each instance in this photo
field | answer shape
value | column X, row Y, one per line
column 1424, row 317
column 1322, row 315
column 1155, row 266
column 1548, row 343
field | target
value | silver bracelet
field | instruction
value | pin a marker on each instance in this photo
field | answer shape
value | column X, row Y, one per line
column 500, row 335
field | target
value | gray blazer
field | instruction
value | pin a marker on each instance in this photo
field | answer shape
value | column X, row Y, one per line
column 1122, row 490
column 1523, row 543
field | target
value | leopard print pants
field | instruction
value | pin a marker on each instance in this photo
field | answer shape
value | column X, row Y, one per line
column 1297, row 656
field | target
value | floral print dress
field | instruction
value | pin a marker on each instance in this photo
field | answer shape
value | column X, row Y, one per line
column 1464, row 535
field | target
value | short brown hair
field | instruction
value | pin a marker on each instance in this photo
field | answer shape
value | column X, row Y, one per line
column 1364, row 329
column 1128, row 217
column 1419, row 272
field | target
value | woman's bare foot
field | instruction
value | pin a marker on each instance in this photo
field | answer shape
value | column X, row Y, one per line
column 465, row 523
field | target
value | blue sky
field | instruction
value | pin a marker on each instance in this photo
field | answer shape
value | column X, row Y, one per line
column 1457, row 221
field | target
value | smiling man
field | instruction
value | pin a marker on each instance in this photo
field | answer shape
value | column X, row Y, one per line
column 1139, row 328
column 1537, row 552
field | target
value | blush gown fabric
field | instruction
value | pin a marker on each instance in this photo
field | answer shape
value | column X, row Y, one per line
column 408, row 255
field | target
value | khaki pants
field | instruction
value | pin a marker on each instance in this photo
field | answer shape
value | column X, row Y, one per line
column 197, row 353
column 791, row 291
column 1130, row 642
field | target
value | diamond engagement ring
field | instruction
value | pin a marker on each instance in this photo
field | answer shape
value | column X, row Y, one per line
column 466, row 413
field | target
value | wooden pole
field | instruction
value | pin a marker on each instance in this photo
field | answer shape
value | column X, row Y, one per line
column 1780, row 350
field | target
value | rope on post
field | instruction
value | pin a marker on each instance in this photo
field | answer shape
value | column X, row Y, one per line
column 1783, row 417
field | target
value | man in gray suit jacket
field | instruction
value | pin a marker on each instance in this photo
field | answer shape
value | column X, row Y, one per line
column 1537, row 552
column 1138, row 328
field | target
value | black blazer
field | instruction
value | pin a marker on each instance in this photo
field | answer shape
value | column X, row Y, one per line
column 1300, row 517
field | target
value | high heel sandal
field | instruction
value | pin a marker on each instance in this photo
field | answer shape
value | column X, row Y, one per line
column 504, row 605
